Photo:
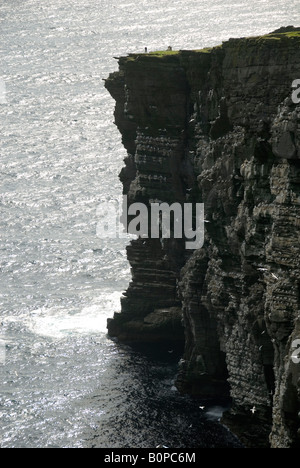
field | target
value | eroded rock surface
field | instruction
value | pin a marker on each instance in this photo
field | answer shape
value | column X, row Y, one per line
column 218, row 127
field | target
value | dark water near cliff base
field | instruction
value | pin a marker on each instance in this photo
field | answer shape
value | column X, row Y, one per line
column 151, row 412
column 63, row 383
column 89, row 392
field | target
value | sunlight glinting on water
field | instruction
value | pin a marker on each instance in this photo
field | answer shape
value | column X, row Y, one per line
column 63, row 383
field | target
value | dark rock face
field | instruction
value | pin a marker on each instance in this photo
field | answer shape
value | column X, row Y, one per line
column 218, row 127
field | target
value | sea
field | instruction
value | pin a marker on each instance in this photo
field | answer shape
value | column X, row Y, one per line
column 63, row 382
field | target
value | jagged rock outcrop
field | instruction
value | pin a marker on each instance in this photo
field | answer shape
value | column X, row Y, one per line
column 218, row 126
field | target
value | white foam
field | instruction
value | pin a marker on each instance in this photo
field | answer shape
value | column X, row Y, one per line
column 215, row 413
column 59, row 322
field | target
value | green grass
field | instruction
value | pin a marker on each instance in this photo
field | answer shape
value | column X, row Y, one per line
column 290, row 33
column 160, row 54
column 206, row 50
column 163, row 53
column 276, row 36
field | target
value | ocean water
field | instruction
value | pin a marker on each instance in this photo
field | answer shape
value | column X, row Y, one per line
column 63, row 383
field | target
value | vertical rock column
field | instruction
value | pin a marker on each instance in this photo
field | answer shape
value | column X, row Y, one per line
column 151, row 115
column 217, row 127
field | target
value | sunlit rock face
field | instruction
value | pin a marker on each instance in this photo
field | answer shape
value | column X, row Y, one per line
column 219, row 127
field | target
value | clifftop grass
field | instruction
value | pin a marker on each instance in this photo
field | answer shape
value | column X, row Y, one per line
column 284, row 36
column 266, row 39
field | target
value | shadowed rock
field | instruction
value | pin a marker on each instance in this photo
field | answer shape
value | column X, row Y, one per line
column 218, row 126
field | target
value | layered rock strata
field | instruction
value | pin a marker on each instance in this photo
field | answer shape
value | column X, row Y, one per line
column 218, row 126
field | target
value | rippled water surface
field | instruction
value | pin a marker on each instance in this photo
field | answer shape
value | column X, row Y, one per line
column 64, row 383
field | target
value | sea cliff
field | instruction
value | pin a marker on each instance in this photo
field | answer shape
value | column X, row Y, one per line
column 218, row 126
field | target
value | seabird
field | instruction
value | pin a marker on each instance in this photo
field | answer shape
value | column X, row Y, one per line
column 253, row 410
column 274, row 276
column 202, row 407
column 260, row 348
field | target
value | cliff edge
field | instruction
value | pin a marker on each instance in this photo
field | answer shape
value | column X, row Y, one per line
column 218, row 126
